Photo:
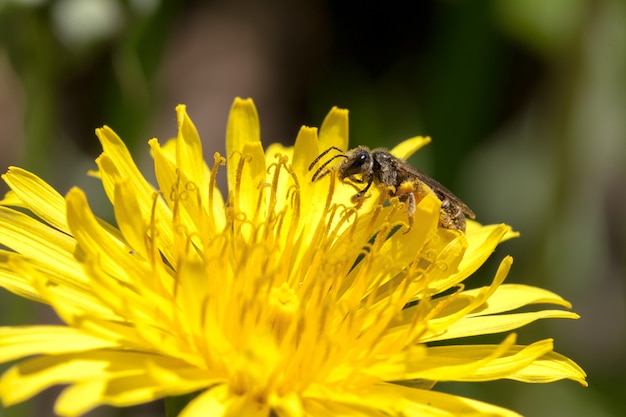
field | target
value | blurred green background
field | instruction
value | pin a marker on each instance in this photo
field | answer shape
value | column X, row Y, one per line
column 525, row 101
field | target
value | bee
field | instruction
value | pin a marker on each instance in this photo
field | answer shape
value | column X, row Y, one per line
column 364, row 166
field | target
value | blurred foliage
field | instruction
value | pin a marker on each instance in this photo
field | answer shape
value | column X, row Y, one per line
column 83, row 63
column 525, row 101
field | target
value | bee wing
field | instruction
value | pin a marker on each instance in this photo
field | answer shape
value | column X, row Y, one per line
column 440, row 191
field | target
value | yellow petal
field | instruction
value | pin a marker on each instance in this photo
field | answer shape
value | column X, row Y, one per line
column 243, row 127
column 405, row 149
column 436, row 404
column 128, row 215
column 116, row 165
column 130, row 378
column 19, row 342
column 250, row 180
column 57, row 288
column 497, row 324
column 480, row 245
column 164, row 167
column 27, row 378
column 121, row 166
column 11, row 199
column 124, row 388
column 305, row 149
column 114, row 256
column 549, row 368
column 447, row 367
column 189, row 158
column 478, row 362
column 37, row 196
column 382, row 399
column 334, row 130
column 182, row 195
column 450, row 309
column 35, row 240
column 15, row 281
column 512, row 296
column 212, row 402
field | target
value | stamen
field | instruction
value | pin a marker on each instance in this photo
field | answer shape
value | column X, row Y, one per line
column 218, row 160
column 238, row 175
column 259, row 202
column 331, row 192
column 277, row 166
column 294, row 191
column 151, row 238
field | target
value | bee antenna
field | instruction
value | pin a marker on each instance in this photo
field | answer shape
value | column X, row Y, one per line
column 321, row 171
column 320, row 156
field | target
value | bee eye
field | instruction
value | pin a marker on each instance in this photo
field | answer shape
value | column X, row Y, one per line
column 356, row 165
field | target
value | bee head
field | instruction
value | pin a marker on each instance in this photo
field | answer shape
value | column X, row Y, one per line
column 358, row 162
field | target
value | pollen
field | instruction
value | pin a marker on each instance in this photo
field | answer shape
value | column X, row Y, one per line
column 406, row 187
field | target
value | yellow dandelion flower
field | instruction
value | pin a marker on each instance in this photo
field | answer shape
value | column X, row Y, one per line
column 282, row 298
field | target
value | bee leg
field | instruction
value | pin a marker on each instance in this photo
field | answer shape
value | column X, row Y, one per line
column 406, row 193
column 410, row 210
column 358, row 197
